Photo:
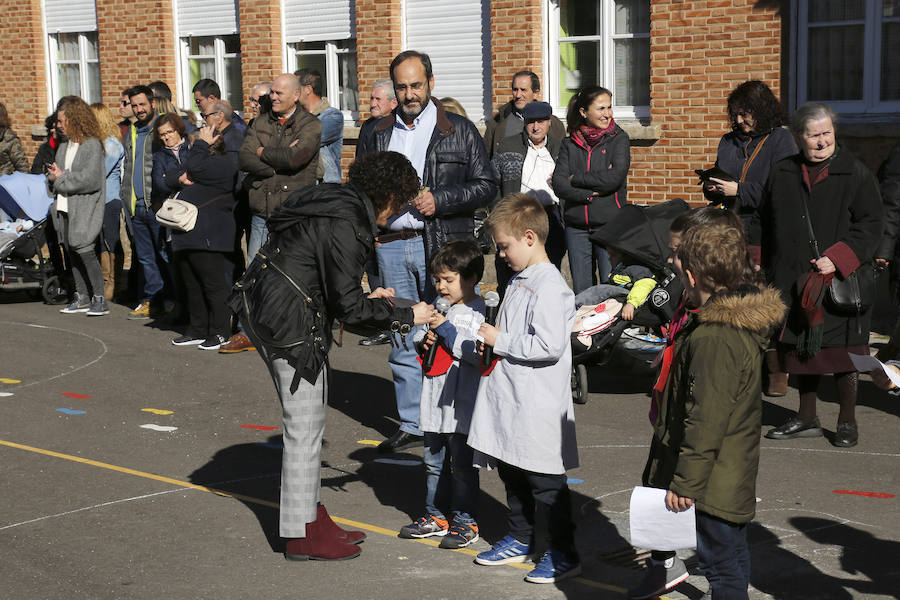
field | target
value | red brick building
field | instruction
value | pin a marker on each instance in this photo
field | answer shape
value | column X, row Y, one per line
column 670, row 63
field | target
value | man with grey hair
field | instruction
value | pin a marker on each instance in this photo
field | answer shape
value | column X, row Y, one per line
column 332, row 140
column 259, row 96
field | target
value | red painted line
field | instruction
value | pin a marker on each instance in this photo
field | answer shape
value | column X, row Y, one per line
column 260, row 427
column 77, row 396
column 866, row 494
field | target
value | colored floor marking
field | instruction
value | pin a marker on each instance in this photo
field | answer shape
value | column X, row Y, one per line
column 71, row 411
column 157, row 411
column 260, row 427
column 76, row 396
column 403, row 462
column 269, row 445
column 156, row 427
column 574, row 481
column 5, row 380
column 368, row 442
column 866, row 494
column 350, row 523
column 6, row 394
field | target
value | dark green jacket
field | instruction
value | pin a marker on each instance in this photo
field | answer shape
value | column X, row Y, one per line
column 706, row 439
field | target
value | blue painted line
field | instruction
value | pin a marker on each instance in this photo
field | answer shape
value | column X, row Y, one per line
column 71, row 411
column 574, row 481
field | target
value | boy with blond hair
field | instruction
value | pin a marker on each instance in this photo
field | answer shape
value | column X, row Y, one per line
column 523, row 420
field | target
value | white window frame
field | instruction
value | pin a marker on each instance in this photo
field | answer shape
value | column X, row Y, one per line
column 332, row 71
column 871, row 104
column 82, row 62
column 219, row 55
column 607, row 66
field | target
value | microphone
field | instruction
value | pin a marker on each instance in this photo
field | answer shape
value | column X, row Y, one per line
column 442, row 305
column 491, row 303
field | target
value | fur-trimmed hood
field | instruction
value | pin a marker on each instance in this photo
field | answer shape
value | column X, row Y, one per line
column 755, row 309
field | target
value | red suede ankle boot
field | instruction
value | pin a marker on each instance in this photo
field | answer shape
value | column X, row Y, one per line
column 320, row 543
column 348, row 537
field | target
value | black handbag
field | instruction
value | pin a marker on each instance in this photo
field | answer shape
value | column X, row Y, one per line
column 855, row 293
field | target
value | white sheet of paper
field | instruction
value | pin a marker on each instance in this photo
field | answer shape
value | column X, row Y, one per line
column 865, row 363
column 655, row 527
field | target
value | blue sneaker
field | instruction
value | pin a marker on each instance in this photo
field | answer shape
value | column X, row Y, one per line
column 554, row 566
column 505, row 551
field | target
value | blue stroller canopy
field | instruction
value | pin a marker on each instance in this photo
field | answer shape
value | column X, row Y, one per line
column 25, row 195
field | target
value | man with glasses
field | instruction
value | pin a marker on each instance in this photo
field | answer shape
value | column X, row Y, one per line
column 125, row 112
column 259, row 100
column 206, row 92
column 449, row 156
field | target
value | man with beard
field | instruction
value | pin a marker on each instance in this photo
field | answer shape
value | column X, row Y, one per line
column 449, row 156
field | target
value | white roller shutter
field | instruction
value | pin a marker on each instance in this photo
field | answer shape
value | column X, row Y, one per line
column 70, row 16
column 207, row 17
column 451, row 34
column 318, row 20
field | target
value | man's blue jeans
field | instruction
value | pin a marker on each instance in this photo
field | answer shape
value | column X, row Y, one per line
column 402, row 267
column 584, row 258
column 148, row 241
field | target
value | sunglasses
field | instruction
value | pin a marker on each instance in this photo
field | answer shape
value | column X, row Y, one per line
column 125, row 103
column 253, row 100
column 204, row 115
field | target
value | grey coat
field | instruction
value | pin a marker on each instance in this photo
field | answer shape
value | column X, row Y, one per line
column 85, row 187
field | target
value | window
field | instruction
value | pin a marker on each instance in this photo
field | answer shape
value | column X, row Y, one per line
column 336, row 61
column 75, row 66
column 601, row 42
column 846, row 55
column 217, row 58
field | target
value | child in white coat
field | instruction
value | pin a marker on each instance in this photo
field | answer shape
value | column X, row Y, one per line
column 523, row 419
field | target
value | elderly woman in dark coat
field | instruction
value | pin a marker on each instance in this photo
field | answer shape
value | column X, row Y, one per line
column 207, row 178
column 845, row 215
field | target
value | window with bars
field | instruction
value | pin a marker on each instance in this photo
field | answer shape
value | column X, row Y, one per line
column 846, row 55
column 601, row 42
column 336, row 61
column 75, row 66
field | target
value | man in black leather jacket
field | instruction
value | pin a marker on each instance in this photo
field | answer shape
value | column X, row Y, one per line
column 449, row 156
column 306, row 276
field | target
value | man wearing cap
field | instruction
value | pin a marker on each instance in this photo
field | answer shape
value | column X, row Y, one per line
column 525, row 162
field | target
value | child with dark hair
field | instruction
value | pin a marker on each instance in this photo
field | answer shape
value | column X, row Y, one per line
column 705, row 446
column 448, row 399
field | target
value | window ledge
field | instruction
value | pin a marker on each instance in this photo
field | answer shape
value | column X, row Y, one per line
column 640, row 130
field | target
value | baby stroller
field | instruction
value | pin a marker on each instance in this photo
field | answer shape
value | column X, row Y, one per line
column 642, row 232
column 22, row 263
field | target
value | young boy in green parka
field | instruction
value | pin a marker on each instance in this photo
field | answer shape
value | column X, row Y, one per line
column 705, row 447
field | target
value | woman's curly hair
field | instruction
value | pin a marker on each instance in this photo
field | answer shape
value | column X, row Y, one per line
column 81, row 122
column 387, row 178
column 756, row 98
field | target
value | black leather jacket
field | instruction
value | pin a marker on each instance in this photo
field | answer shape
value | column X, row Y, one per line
column 457, row 171
column 308, row 274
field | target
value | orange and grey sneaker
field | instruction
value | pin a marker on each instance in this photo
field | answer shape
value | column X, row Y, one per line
column 424, row 527
column 141, row 312
column 460, row 535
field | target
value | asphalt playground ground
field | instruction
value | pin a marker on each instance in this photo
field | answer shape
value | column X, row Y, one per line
column 134, row 469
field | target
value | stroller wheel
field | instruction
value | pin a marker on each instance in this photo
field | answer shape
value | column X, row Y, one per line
column 53, row 291
column 579, row 384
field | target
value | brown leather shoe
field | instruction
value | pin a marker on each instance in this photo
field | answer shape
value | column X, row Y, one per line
column 320, row 543
column 344, row 535
column 237, row 343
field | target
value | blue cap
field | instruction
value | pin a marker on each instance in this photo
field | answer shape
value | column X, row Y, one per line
column 537, row 110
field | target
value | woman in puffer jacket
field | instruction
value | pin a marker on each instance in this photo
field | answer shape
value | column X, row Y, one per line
column 12, row 156
column 590, row 180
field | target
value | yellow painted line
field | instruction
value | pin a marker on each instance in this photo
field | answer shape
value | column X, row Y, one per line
column 350, row 523
column 5, row 380
column 157, row 411
column 368, row 442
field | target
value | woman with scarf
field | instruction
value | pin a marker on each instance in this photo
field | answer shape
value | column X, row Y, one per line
column 803, row 255
column 590, row 179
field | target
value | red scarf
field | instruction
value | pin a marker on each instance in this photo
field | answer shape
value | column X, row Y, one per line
column 592, row 135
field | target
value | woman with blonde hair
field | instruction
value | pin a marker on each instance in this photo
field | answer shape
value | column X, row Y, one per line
column 12, row 156
column 78, row 180
column 112, row 255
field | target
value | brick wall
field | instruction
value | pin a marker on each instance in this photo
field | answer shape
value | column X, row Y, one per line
column 378, row 41
column 22, row 88
column 699, row 52
column 137, row 46
column 516, row 44
column 261, row 43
